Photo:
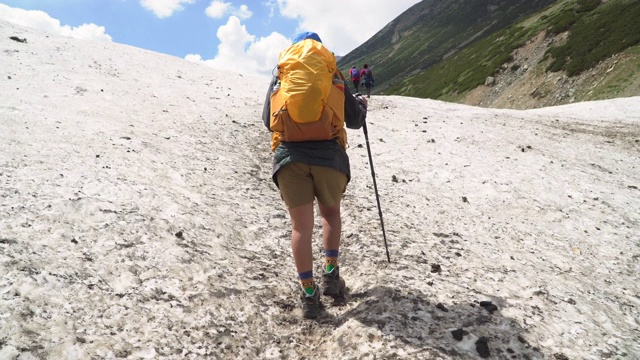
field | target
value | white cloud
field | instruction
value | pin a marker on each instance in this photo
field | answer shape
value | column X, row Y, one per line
column 243, row 12
column 345, row 24
column 86, row 31
column 218, row 9
column 241, row 52
column 164, row 8
column 272, row 5
column 42, row 21
column 352, row 23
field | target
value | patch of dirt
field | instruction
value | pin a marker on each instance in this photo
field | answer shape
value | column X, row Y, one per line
column 523, row 83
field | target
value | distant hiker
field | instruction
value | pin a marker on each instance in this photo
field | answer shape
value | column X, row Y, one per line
column 367, row 74
column 310, row 160
column 355, row 77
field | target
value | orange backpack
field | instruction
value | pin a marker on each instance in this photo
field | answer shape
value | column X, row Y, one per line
column 307, row 103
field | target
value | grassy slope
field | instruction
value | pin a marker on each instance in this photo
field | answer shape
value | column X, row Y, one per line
column 622, row 80
column 430, row 31
column 597, row 32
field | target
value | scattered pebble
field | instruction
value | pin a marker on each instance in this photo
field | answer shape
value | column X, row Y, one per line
column 442, row 307
column 458, row 334
column 489, row 306
column 15, row 38
column 436, row 268
column 482, row 347
column 571, row 301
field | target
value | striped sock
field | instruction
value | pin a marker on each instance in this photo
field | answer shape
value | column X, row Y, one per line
column 306, row 280
column 330, row 260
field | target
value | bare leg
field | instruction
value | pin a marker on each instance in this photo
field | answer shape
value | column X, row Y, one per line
column 331, row 226
column 301, row 232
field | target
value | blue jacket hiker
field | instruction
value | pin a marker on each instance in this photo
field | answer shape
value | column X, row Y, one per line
column 307, row 108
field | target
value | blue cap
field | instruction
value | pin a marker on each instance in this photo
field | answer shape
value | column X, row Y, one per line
column 307, row 35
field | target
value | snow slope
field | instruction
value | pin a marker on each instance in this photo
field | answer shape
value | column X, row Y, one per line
column 138, row 220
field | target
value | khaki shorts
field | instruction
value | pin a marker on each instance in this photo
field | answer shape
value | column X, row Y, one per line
column 300, row 183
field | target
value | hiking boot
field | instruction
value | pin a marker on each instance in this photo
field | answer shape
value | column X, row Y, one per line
column 333, row 284
column 311, row 304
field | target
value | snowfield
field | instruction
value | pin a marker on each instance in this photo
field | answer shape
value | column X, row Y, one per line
column 138, row 220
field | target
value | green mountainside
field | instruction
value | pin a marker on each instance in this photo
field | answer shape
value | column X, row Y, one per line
column 447, row 49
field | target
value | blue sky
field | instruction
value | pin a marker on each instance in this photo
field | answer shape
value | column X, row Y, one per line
column 241, row 36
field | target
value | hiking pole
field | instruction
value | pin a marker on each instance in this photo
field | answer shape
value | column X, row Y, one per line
column 375, row 188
